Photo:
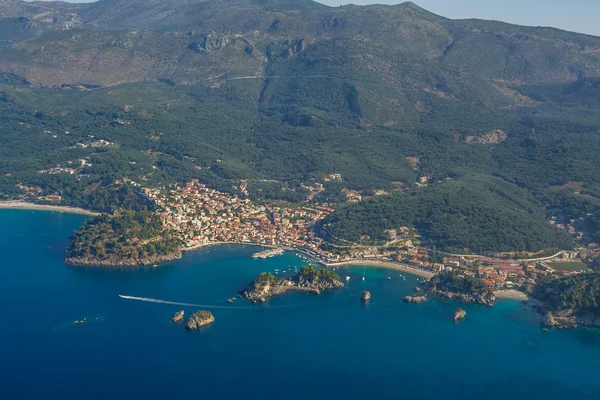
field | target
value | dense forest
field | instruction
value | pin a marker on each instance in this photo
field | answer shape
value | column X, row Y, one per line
column 579, row 293
column 475, row 214
column 124, row 239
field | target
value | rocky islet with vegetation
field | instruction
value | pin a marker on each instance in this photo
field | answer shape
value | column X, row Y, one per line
column 308, row 279
column 199, row 319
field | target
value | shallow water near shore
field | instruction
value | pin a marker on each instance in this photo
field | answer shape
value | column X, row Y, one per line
column 296, row 346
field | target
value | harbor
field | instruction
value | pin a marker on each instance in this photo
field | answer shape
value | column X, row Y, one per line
column 268, row 253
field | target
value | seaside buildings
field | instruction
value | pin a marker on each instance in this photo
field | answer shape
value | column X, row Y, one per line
column 202, row 216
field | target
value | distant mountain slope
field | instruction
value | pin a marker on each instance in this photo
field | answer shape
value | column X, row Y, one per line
column 271, row 31
column 284, row 93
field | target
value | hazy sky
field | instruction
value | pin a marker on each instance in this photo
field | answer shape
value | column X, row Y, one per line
column 572, row 15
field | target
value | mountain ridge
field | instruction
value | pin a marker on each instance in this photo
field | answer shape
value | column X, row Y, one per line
column 494, row 51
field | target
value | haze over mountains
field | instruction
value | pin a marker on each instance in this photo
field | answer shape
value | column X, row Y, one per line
column 294, row 90
column 116, row 41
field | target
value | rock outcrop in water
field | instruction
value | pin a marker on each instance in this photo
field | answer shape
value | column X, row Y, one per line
column 199, row 319
column 459, row 314
column 414, row 299
column 178, row 316
column 309, row 279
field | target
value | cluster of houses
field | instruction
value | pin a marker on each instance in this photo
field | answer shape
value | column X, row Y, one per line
column 36, row 192
column 497, row 273
column 573, row 227
column 202, row 216
column 95, row 144
column 72, row 168
column 587, row 250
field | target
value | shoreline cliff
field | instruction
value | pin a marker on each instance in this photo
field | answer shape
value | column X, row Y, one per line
column 456, row 286
column 121, row 263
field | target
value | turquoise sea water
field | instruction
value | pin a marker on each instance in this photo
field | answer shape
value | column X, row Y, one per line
column 297, row 346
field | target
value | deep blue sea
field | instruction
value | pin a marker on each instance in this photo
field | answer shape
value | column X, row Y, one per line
column 298, row 346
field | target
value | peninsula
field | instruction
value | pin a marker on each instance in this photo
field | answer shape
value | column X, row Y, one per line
column 125, row 239
column 569, row 302
column 460, row 286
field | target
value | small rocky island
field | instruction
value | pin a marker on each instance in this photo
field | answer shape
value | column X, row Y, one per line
column 414, row 299
column 199, row 319
column 461, row 287
column 178, row 316
column 309, row 279
column 569, row 302
column 124, row 239
column 459, row 314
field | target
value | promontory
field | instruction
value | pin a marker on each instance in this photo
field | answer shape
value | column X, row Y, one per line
column 123, row 239
column 459, row 286
column 569, row 302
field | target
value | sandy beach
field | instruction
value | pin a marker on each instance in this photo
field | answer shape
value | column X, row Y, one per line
column 511, row 294
column 23, row 205
column 383, row 264
column 359, row 263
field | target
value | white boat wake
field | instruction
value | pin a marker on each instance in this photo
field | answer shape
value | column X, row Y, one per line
column 176, row 303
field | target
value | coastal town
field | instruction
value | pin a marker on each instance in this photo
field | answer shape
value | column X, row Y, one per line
column 201, row 216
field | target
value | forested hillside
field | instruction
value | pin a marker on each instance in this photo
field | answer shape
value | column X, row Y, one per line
column 475, row 214
column 501, row 122
column 123, row 239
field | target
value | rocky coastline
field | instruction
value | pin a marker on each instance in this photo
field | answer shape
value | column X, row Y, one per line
column 487, row 298
column 459, row 314
column 309, row 279
column 121, row 263
column 568, row 302
column 178, row 316
column 569, row 320
column 455, row 286
column 414, row 299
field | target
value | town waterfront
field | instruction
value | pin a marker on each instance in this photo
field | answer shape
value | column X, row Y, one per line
column 297, row 346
